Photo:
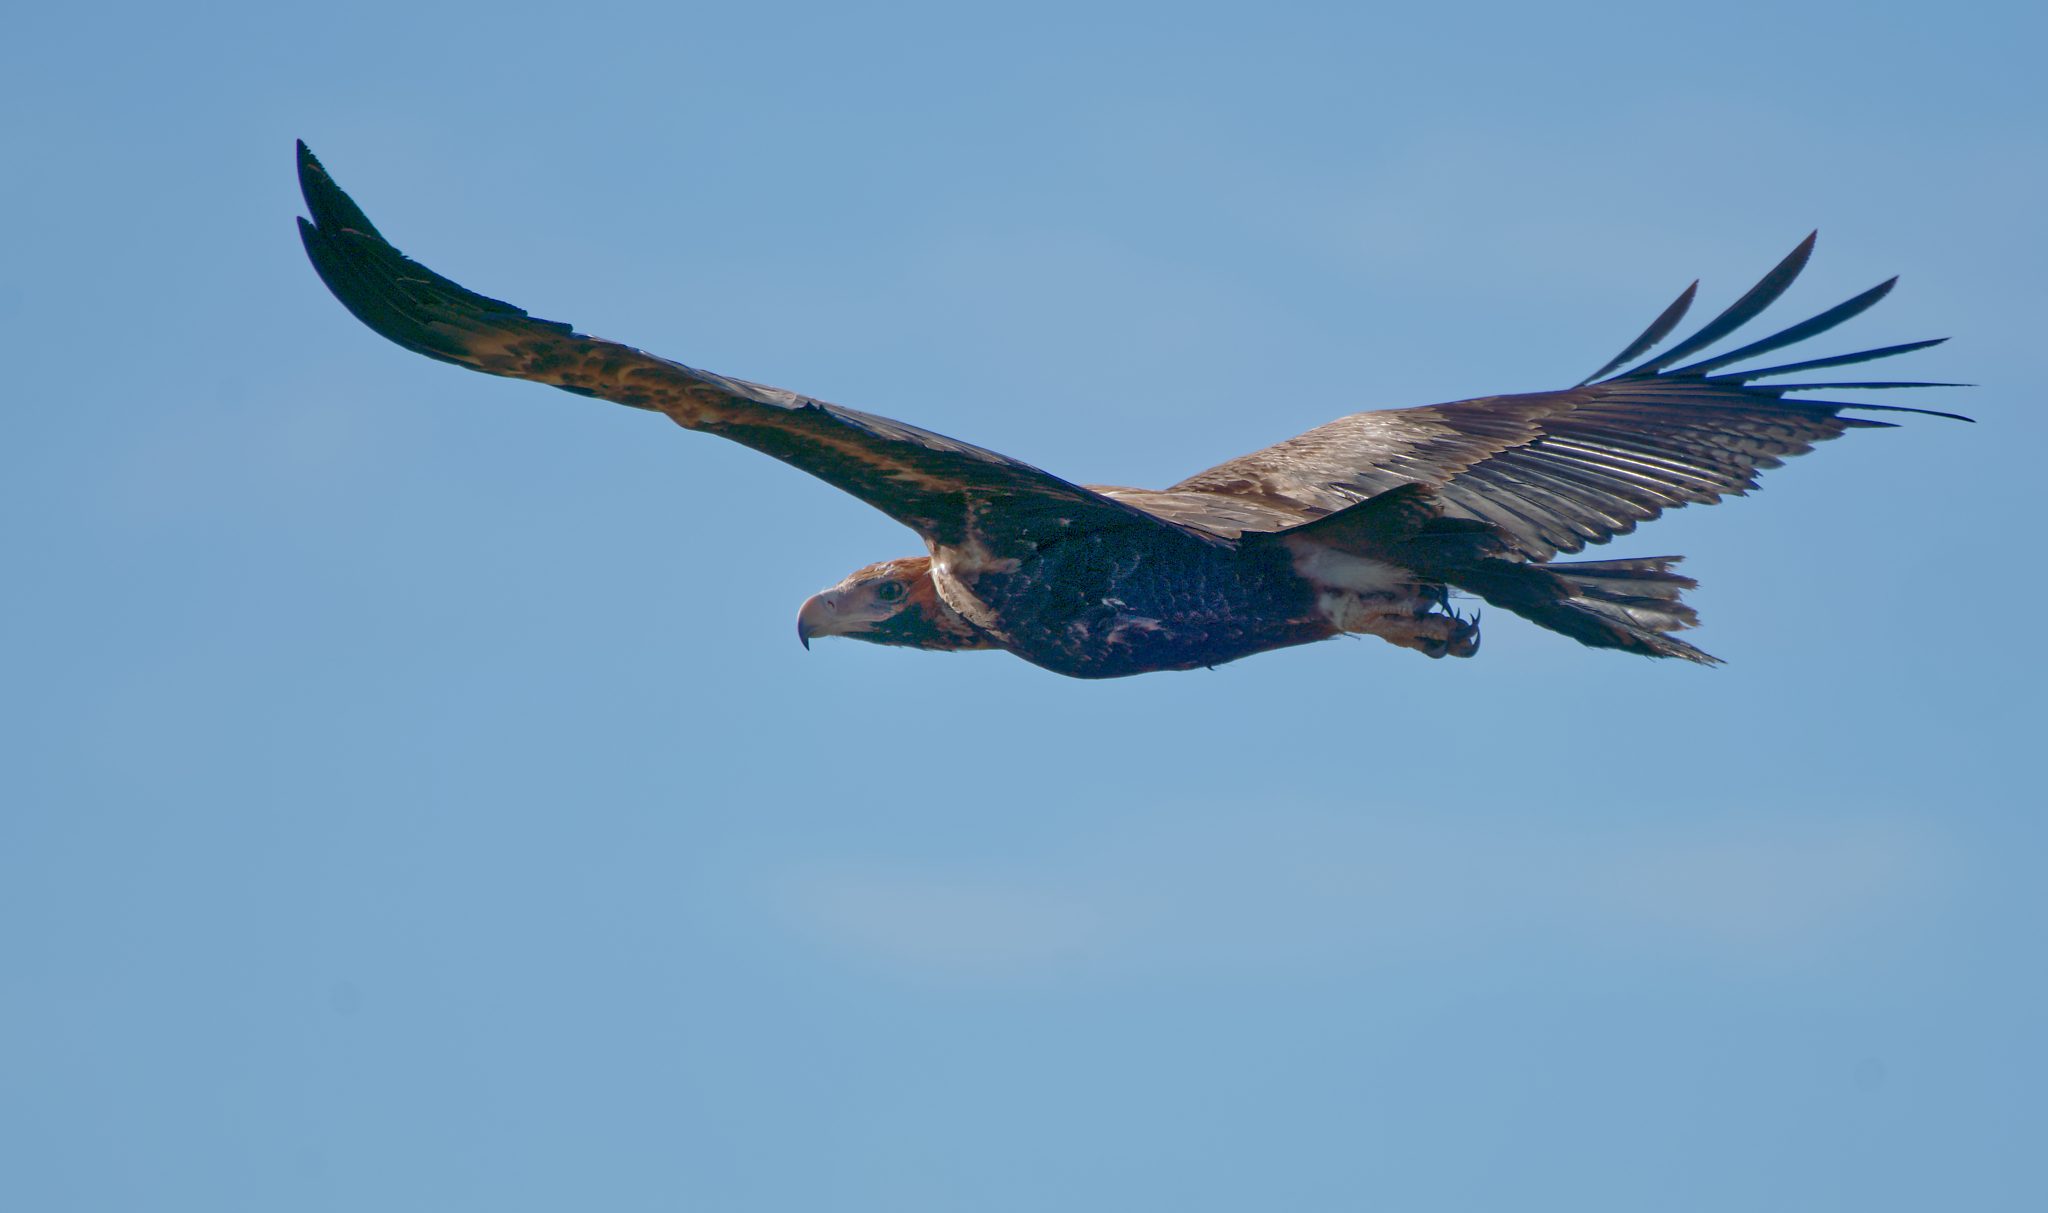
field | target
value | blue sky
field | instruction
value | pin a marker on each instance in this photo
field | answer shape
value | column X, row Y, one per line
column 416, row 798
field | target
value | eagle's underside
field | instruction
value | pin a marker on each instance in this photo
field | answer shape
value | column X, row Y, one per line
column 1365, row 525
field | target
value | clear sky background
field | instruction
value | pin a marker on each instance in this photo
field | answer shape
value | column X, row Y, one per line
column 415, row 797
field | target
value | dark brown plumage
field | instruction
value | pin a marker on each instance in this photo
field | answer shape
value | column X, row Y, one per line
column 1362, row 525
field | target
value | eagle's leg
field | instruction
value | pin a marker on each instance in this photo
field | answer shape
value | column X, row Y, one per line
column 1430, row 635
column 1415, row 617
column 1426, row 631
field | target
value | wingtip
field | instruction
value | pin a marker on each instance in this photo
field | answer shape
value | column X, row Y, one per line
column 309, row 164
column 1789, row 269
column 1735, row 315
column 312, row 175
column 1659, row 329
column 1796, row 259
column 330, row 206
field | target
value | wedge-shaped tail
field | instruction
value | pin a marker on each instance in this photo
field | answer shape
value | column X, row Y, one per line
column 1633, row 605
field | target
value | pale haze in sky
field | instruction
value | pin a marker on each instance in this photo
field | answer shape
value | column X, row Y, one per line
column 415, row 796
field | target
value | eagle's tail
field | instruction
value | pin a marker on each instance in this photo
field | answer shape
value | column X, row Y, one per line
column 1632, row 605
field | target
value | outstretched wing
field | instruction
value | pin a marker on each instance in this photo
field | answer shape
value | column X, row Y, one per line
column 926, row 481
column 1555, row 471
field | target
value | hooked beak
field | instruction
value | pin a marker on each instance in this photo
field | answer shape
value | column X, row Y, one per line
column 817, row 616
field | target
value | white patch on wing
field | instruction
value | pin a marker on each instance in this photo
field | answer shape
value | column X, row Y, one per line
column 1355, row 592
column 1330, row 569
column 955, row 569
column 955, row 594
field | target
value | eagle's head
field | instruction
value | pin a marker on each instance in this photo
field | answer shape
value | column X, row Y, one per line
column 893, row 602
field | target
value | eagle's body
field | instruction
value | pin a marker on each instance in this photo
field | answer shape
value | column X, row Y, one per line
column 1104, row 603
column 1364, row 525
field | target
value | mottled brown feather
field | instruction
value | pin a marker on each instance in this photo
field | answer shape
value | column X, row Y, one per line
column 922, row 479
column 1554, row 471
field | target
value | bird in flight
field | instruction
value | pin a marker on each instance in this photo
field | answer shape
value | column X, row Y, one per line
column 1364, row 525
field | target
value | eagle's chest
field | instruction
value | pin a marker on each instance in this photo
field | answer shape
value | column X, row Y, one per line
column 1102, row 606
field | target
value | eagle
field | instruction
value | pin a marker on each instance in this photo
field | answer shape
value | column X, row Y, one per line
column 1366, row 525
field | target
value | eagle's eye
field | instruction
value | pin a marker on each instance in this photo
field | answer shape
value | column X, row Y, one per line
column 889, row 591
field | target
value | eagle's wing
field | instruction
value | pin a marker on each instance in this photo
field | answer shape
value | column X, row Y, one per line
column 1555, row 471
column 927, row 481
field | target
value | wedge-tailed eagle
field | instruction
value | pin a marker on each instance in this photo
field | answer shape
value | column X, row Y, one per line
column 1364, row 525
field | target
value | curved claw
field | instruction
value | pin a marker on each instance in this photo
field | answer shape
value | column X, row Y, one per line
column 1464, row 640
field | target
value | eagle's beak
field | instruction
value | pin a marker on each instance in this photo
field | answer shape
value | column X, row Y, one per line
column 816, row 617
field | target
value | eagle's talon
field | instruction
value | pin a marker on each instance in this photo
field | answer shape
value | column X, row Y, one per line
column 1465, row 641
column 1428, row 633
